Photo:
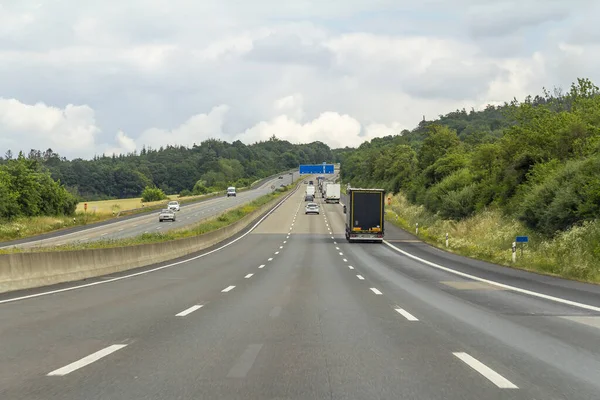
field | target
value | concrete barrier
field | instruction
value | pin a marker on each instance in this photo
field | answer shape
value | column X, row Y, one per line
column 35, row 269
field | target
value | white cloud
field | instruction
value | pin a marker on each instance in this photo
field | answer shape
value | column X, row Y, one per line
column 196, row 129
column 291, row 106
column 86, row 77
column 24, row 127
column 330, row 127
column 125, row 145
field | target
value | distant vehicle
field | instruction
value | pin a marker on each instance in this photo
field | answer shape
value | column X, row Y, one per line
column 167, row 214
column 306, row 182
column 310, row 190
column 173, row 205
column 332, row 193
column 231, row 191
column 310, row 182
column 311, row 208
column 364, row 215
column 281, row 177
column 309, row 197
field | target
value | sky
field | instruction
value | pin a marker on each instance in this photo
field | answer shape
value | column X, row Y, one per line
column 89, row 77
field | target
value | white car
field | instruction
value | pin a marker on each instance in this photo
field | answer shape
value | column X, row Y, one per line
column 173, row 205
column 312, row 208
column 167, row 214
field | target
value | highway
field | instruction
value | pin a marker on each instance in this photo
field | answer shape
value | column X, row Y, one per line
column 289, row 310
column 189, row 214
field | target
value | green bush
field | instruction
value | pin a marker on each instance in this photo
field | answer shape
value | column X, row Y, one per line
column 568, row 195
column 152, row 194
column 200, row 188
column 185, row 193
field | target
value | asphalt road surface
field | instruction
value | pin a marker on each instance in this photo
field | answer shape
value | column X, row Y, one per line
column 291, row 311
column 148, row 223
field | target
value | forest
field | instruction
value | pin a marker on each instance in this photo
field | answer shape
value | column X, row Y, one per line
column 211, row 165
column 536, row 160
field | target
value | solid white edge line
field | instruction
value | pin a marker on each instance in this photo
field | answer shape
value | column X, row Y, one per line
column 228, row 288
column 486, row 371
column 375, row 290
column 67, row 369
column 248, row 276
column 502, row 285
column 189, row 311
column 153, row 269
column 361, row 278
column 406, row 314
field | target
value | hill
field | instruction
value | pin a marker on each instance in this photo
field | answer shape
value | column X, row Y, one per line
column 536, row 160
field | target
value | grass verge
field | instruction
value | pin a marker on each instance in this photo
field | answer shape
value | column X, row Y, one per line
column 573, row 254
column 24, row 227
column 221, row 221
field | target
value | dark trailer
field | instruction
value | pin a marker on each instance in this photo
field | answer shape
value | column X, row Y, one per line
column 365, row 215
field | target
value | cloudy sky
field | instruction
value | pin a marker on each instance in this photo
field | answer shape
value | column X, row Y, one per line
column 89, row 77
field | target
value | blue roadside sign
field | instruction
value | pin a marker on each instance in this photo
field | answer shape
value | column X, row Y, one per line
column 522, row 239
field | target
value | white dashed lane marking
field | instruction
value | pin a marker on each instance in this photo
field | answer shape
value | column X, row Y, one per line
column 406, row 314
column 486, row 371
column 86, row 360
column 188, row 311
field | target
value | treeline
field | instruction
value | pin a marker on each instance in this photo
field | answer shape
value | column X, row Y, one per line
column 211, row 165
column 538, row 160
column 27, row 189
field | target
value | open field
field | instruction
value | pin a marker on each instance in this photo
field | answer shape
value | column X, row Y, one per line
column 116, row 205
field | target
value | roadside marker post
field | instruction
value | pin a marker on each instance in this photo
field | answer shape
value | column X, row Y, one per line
column 514, row 252
column 522, row 240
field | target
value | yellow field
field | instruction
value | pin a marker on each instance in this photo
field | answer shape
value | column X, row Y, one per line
column 108, row 206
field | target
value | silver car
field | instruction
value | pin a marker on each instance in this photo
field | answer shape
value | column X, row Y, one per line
column 311, row 208
column 166, row 214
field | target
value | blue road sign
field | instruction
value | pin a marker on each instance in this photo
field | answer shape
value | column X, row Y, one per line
column 316, row 169
column 522, row 239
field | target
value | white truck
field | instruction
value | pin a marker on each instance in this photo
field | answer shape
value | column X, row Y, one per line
column 332, row 193
column 310, row 190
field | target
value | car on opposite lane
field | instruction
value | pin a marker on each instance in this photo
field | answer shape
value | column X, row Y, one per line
column 311, row 208
column 173, row 205
column 167, row 214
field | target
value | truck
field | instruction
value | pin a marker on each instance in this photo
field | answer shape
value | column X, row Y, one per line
column 332, row 193
column 364, row 215
column 310, row 190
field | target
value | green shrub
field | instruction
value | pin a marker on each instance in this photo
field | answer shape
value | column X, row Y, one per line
column 152, row 194
column 569, row 195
